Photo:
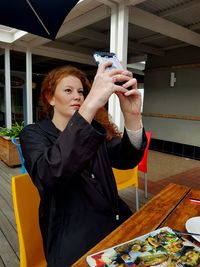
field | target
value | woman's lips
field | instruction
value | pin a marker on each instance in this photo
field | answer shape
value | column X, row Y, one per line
column 76, row 106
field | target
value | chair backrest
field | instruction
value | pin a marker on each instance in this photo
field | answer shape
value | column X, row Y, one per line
column 26, row 203
column 14, row 141
column 142, row 166
column 126, row 178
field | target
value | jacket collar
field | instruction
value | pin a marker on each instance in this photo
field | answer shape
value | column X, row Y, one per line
column 47, row 126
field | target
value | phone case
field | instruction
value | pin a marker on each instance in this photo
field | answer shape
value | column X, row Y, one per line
column 101, row 57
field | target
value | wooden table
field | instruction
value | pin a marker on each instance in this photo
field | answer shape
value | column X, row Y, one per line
column 171, row 207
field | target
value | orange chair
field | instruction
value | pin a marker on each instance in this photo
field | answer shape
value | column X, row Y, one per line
column 26, row 203
column 126, row 178
column 142, row 166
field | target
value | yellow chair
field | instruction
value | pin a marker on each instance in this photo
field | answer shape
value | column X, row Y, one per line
column 126, row 178
column 26, row 203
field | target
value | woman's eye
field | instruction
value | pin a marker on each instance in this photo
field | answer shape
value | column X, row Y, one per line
column 81, row 92
column 68, row 90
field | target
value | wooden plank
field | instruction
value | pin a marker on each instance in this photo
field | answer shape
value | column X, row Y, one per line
column 178, row 218
column 8, row 171
column 5, row 192
column 1, row 262
column 172, row 116
column 148, row 218
column 8, row 225
column 7, row 210
column 9, row 232
column 7, row 254
column 6, row 174
column 9, row 247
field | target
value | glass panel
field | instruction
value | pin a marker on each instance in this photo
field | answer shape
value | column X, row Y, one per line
column 18, row 85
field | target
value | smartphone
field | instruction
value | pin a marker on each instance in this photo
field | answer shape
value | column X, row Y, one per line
column 101, row 57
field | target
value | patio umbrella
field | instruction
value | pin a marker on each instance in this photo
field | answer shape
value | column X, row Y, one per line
column 40, row 17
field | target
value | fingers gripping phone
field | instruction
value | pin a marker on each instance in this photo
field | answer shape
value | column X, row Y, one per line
column 101, row 57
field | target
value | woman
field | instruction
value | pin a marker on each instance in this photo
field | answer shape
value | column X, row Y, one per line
column 69, row 157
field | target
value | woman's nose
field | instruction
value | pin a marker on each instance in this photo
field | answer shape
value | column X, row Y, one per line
column 77, row 95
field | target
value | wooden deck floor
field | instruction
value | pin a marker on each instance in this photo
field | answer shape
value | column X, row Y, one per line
column 9, row 249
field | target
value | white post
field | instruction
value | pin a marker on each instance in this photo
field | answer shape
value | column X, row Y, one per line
column 8, row 111
column 113, row 101
column 122, row 47
column 29, row 104
column 118, row 45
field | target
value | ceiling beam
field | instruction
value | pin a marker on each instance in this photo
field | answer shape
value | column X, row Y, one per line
column 64, row 55
column 173, row 11
column 103, row 38
column 195, row 26
column 84, row 20
column 92, row 35
column 81, row 8
column 175, row 46
column 154, row 23
column 149, row 38
column 136, row 59
column 55, row 53
column 67, row 47
column 178, row 9
column 134, row 2
column 145, row 49
column 109, row 3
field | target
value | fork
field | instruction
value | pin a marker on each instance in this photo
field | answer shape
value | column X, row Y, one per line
column 185, row 233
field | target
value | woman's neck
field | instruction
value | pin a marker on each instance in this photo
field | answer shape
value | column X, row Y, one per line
column 60, row 122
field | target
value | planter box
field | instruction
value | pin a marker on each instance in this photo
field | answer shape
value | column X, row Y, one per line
column 8, row 152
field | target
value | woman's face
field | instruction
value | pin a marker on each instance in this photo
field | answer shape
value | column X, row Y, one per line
column 68, row 97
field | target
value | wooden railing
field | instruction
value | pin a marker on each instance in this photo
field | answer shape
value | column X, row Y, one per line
column 171, row 116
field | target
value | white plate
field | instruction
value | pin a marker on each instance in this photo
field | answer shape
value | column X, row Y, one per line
column 193, row 226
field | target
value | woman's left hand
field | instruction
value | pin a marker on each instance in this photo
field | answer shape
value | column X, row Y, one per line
column 130, row 103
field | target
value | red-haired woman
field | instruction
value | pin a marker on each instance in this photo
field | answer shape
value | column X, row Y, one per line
column 70, row 155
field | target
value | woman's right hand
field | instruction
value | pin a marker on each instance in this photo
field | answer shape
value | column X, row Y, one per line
column 102, row 88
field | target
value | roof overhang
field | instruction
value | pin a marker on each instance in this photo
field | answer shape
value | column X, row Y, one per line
column 9, row 35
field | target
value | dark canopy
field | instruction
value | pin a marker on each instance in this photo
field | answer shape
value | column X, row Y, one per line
column 39, row 17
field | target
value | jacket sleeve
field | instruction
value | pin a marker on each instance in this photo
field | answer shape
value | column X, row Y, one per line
column 50, row 158
column 123, row 155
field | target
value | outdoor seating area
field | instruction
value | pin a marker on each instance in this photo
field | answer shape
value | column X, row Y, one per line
column 51, row 81
column 186, row 173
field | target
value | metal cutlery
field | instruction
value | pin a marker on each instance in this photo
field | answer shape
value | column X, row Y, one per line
column 194, row 201
column 185, row 233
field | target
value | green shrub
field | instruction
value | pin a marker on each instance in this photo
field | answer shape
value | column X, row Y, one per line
column 14, row 131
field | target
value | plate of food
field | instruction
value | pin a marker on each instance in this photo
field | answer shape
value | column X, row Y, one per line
column 193, row 225
column 159, row 248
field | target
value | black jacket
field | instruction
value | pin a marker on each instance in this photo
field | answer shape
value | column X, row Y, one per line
column 72, row 171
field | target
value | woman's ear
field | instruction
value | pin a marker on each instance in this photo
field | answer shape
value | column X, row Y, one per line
column 51, row 101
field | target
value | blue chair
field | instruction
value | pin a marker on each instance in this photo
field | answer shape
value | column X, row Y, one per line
column 14, row 141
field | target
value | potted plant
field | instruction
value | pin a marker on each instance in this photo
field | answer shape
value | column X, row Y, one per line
column 8, row 151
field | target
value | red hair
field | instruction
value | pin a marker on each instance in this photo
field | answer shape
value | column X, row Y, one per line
column 49, row 86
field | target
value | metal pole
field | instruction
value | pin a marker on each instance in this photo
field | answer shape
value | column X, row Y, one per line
column 8, row 112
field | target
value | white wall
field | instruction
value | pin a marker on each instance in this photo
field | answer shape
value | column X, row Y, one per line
column 182, row 100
